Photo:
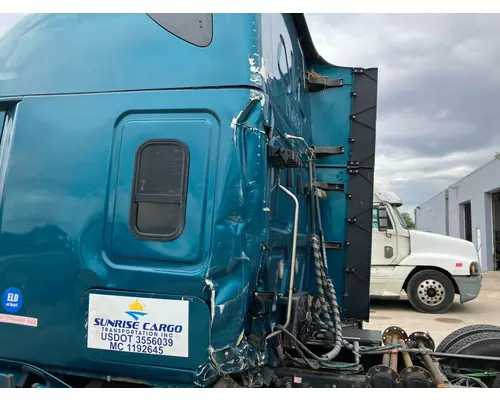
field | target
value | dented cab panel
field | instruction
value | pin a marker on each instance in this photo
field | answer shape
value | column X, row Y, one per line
column 66, row 226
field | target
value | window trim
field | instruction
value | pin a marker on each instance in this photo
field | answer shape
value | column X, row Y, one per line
column 134, row 204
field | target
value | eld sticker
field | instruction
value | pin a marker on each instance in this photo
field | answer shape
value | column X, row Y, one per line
column 12, row 300
column 138, row 325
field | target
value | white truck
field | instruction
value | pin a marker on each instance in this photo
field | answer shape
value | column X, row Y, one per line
column 430, row 268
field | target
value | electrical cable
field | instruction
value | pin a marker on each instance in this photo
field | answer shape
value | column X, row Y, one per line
column 320, row 360
column 298, row 342
column 40, row 370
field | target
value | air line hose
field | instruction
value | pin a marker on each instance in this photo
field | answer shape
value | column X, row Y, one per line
column 328, row 304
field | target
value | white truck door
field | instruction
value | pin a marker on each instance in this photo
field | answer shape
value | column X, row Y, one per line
column 384, row 244
column 384, row 253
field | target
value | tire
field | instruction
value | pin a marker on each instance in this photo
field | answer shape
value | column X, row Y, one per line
column 479, row 344
column 484, row 343
column 430, row 291
column 460, row 333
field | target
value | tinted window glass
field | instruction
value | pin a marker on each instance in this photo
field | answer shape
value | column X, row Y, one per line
column 160, row 183
column 375, row 219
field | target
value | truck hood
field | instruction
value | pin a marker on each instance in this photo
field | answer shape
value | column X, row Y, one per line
column 441, row 246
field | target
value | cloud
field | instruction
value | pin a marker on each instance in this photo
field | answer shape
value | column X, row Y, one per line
column 438, row 116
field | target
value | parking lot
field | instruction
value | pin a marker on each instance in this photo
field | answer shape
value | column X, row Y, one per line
column 485, row 309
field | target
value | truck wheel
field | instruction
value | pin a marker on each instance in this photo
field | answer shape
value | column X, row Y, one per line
column 478, row 343
column 460, row 333
column 430, row 291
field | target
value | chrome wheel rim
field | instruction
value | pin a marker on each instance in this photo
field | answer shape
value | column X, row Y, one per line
column 431, row 292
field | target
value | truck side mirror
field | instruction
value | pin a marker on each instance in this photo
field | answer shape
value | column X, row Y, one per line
column 383, row 219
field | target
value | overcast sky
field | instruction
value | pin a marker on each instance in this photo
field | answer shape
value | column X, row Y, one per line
column 439, row 88
column 438, row 113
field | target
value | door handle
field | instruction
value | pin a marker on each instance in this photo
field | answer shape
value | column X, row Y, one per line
column 388, row 252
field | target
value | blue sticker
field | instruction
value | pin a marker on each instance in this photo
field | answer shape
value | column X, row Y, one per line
column 12, row 300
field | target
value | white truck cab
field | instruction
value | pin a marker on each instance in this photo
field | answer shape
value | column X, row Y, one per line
column 430, row 268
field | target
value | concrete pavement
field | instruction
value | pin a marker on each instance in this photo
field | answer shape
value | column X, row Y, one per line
column 484, row 309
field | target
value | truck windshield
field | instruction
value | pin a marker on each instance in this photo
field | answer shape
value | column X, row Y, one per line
column 400, row 217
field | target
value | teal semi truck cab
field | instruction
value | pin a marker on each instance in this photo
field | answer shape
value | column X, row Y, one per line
column 189, row 203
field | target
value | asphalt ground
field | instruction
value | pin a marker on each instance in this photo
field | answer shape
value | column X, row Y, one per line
column 484, row 309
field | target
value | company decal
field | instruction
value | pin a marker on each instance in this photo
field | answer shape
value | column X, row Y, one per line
column 138, row 325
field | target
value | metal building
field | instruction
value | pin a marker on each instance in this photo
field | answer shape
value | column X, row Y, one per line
column 468, row 209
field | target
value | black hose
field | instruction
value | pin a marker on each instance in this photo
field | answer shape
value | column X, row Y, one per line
column 298, row 342
column 320, row 360
column 32, row 368
column 306, row 360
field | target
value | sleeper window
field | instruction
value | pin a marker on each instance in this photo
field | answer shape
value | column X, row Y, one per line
column 159, row 190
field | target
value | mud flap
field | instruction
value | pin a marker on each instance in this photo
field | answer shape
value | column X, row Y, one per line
column 360, row 195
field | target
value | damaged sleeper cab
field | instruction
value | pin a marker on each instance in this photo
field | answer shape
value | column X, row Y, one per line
column 153, row 215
